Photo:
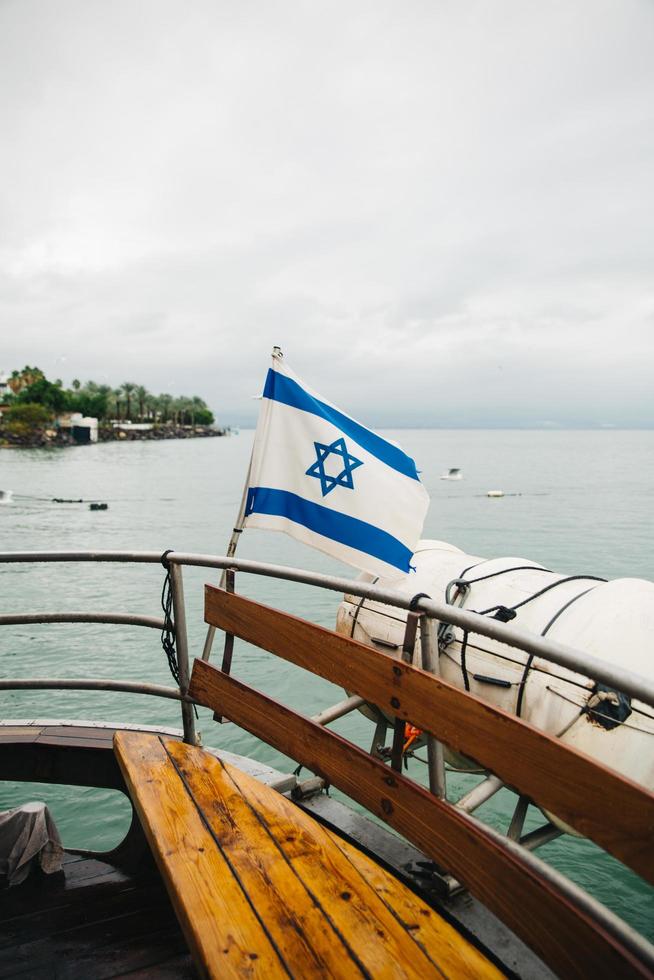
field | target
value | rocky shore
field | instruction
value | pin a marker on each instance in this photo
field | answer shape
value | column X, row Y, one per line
column 40, row 438
column 110, row 434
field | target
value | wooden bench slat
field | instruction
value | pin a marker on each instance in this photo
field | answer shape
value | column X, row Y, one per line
column 296, row 923
column 218, row 922
column 258, row 884
column 364, row 901
column 578, row 789
column 427, row 927
column 323, row 916
column 562, row 932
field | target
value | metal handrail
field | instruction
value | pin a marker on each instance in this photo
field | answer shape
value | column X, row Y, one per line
column 115, row 619
column 544, row 648
column 90, row 684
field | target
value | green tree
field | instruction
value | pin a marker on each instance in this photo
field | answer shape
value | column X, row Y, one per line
column 185, row 410
column 25, row 419
column 204, row 416
column 151, row 406
column 95, row 405
column 106, row 393
column 165, row 406
column 43, row 392
column 128, row 389
column 117, row 402
column 142, row 394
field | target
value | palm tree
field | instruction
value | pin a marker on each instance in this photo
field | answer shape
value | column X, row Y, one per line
column 105, row 392
column 116, row 394
column 142, row 395
column 150, row 405
column 185, row 410
column 178, row 407
column 165, row 402
column 128, row 388
column 25, row 378
column 196, row 403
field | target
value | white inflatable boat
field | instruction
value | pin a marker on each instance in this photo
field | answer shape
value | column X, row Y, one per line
column 614, row 621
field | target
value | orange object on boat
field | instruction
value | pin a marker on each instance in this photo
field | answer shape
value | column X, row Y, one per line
column 411, row 733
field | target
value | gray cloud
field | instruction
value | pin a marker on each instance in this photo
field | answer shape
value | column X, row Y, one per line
column 442, row 212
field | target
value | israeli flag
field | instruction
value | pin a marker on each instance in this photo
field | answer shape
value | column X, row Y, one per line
column 331, row 483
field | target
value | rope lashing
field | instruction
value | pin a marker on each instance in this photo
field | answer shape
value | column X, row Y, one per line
column 464, row 665
column 547, row 588
column 503, row 614
column 530, row 659
column 168, row 631
column 358, row 609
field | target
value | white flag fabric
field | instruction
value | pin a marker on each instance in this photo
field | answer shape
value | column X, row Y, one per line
column 331, row 483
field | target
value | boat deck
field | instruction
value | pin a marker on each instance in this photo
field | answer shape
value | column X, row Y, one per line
column 91, row 920
column 51, row 925
column 262, row 890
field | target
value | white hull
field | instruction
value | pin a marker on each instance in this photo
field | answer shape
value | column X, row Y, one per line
column 613, row 621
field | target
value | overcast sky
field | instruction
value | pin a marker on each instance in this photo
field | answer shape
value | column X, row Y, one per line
column 442, row 210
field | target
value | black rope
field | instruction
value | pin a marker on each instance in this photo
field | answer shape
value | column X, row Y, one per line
column 168, row 631
column 503, row 571
column 463, row 587
column 536, row 595
column 504, row 613
column 464, row 666
column 413, row 605
column 359, row 608
column 530, row 659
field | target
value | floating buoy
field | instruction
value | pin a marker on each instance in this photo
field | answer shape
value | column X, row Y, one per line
column 495, row 493
column 98, row 506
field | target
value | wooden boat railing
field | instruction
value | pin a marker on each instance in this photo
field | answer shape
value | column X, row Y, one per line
column 566, row 928
column 531, row 897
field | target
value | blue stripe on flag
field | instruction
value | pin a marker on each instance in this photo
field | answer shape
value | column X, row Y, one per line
column 331, row 524
column 279, row 388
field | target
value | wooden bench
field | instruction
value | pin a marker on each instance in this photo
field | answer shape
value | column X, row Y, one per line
column 261, row 889
column 574, row 935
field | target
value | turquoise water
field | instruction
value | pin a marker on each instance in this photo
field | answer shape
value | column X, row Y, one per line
column 580, row 503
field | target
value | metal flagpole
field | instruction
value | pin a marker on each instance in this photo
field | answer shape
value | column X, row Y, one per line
column 236, row 533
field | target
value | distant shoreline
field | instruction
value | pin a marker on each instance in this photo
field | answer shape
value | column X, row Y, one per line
column 62, row 438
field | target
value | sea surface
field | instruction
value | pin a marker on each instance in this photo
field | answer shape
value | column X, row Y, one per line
column 577, row 501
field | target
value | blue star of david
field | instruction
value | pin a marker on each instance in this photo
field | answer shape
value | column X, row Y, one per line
column 344, row 478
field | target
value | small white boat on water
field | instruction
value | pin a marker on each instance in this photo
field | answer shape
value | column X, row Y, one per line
column 454, row 473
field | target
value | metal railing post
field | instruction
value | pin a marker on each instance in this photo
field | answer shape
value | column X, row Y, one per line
column 435, row 761
column 181, row 645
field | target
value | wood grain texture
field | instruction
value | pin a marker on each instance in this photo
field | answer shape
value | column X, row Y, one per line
column 217, row 832
column 325, row 917
column 598, row 802
column 220, row 926
column 382, row 937
column 302, row 934
column 567, row 936
column 429, row 929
